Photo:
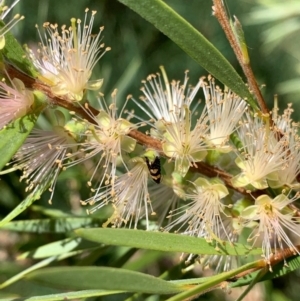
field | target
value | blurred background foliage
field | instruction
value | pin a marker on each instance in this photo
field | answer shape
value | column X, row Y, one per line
column 138, row 49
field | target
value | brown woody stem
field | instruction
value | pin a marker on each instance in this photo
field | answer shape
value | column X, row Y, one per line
column 141, row 138
column 222, row 17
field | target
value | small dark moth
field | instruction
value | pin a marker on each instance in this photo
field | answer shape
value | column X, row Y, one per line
column 154, row 169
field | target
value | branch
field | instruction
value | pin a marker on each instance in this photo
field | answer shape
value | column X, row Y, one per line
column 221, row 15
column 141, row 138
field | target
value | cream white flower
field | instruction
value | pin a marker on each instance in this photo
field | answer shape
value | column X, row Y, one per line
column 106, row 140
column 169, row 106
column 164, row 200
column 273, row 220
column 41, row 158
column 287, row 130
column 15, row 101
column 183, row 144
column 231, row 229
column 202, row 217
column 66, row 60
column 129, row 197
column 224, row 110
column 262, row 155
column 161, row 100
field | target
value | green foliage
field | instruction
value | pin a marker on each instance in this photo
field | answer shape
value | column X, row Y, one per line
column 192, row 42
column 99, row 277
column 15, row 54
column 66, row 256
column 13, row 136
column 162, row 242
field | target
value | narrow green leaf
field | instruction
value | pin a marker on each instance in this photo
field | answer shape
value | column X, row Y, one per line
column 192, row 42
column 279, row 270
column 37, row 266
column 283, row 268
column 144, row 260
column 21, row 207
column 51, row 212
column 57, row 225
column 161, row 241
column 59, row 247
column 102, row 278
column 66, row 296
column 20, row 275
column 13, row 136
column 211, row 282
column 11, row 139
column 251, row 285
column 14, row 52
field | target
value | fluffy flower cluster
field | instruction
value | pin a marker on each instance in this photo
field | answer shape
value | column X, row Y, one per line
column 65, row 60
column 219, row 135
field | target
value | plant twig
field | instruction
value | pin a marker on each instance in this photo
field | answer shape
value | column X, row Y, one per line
column 141, row 138
column 221, row 15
